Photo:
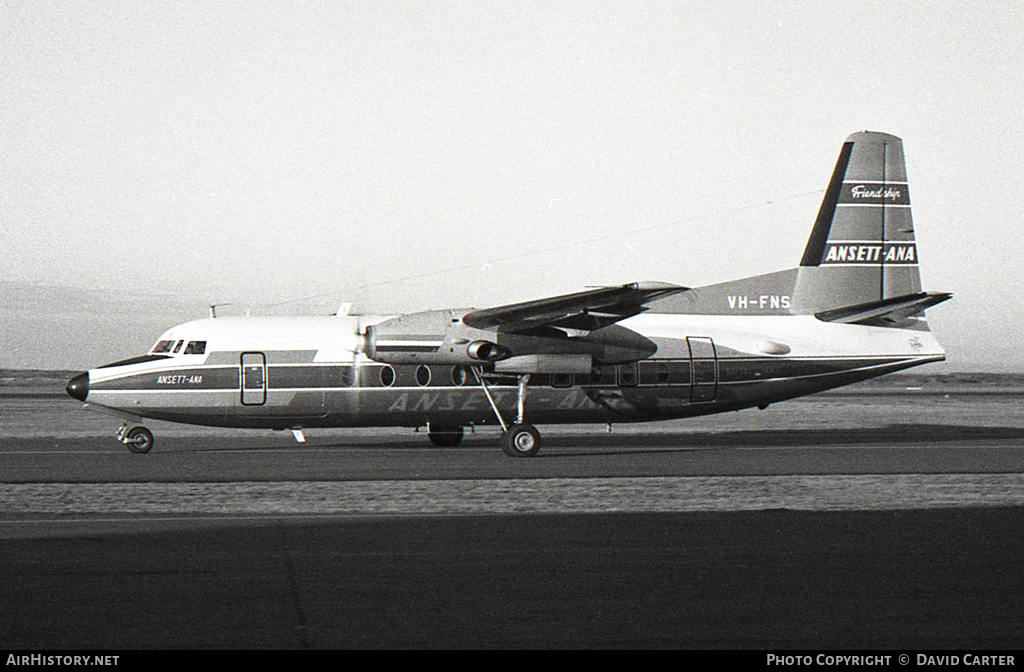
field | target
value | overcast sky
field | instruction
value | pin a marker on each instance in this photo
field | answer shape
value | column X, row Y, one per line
column 157, row 157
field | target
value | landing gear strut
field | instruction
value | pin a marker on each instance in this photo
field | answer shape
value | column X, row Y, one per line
column 521, row 439
column 137, row 438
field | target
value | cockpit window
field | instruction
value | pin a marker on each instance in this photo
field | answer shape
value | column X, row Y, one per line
column 161, row 347
column 195, row 348
column 177, row 347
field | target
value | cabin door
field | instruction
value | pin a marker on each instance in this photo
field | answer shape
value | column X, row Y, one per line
column 253, row 370
column 704, row 364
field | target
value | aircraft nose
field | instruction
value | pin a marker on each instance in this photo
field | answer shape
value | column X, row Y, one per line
column 78, row 387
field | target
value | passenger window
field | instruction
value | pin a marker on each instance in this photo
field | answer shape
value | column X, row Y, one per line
column 561, row 380
column 459, row 376
column 195, row 348
column 627, row 375
column 162, row 347
column 654, row 373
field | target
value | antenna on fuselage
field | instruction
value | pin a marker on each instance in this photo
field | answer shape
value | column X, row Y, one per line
column 345, row 310
column 213, row 308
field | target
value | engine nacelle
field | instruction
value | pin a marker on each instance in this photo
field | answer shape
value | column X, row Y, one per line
column 434, row 337
column 440, row 337
column 579, row 364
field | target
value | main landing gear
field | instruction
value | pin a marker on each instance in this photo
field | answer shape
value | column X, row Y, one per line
column 444, row 436
column 520, row 439
column 137, row 438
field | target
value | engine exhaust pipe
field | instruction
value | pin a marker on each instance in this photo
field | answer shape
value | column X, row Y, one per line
column 487, row 351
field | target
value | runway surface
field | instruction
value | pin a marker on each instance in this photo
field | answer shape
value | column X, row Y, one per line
column 841, row 521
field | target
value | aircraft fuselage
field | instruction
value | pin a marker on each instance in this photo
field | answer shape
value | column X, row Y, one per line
column 308, row 372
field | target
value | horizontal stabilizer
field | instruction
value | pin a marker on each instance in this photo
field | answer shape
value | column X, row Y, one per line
column 889, row 311
column 585, row 311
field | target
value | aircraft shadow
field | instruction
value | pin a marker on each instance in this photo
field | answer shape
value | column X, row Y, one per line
column 587, row 439
column 892, row 435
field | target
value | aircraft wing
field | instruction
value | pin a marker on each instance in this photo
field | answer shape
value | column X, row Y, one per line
column 583, row 311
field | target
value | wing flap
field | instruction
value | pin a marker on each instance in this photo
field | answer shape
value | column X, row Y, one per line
column 583, row 311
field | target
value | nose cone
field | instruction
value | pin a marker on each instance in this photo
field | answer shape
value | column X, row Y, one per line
column 78, row 387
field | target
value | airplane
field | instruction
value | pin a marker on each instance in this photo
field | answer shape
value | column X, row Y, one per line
column 852, row 310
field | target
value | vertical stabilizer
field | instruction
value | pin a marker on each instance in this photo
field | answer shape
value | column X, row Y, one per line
column 862, row 248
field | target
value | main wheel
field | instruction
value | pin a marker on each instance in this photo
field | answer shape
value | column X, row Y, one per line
column 521, row 441
column 445, row 437
column 138, row 440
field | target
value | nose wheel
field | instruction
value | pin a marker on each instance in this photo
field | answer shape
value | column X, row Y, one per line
column 137, row 439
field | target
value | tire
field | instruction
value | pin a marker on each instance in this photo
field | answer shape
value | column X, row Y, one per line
column 139, row 440
column 521, row 441
column 446, row 437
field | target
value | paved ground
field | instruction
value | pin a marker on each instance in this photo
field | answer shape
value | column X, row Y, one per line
column 776, row 579
column 898, row 578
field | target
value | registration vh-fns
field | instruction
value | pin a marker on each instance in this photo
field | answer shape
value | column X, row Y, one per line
column 853, row 309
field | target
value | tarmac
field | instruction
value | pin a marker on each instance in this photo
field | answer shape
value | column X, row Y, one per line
column 866, row 521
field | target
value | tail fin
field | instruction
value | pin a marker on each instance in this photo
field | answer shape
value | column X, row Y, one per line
column 860, row 265
column 862, row 249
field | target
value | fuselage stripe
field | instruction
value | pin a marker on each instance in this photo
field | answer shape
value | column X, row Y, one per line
column 730, row 371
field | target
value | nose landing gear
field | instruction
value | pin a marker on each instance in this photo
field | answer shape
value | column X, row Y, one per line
column 137, row 438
